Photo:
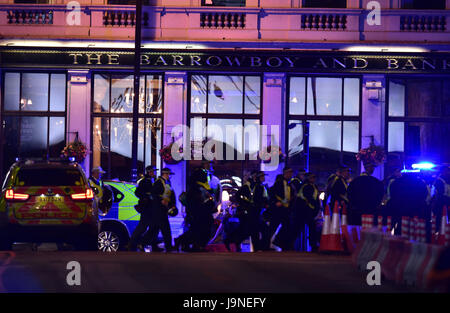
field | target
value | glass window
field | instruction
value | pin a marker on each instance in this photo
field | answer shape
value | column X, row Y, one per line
column 225, row 94
column 332, row 107
column 34, row 92
column 324, row 96
column 122, row 94
column 252, row 98
column 49, row 177
column 113, row 125
column 40, row 132
column 351, row 96
column 58, row 92
column 224, row 113
column 396, row 98
column 33, row 136
column 12, row 91
column 101, row 93
column 297, row 95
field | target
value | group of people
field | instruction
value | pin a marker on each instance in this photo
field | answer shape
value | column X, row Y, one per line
column 281, row 215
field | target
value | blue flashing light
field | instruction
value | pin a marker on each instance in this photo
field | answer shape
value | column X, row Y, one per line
column 423, row 166
column 72, row 159
column 409, row 171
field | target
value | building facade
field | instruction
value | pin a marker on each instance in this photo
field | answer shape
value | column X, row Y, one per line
column 330, row 76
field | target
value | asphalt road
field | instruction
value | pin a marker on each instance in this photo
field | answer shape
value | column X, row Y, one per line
column 263, row 272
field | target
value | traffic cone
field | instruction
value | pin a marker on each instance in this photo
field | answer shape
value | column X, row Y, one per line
column 442, row 229
column 380, row 223
column 421, row 231
column 335, row 231
column 413, row 228
column 324, row 239
column 367, row 221
column 405, row 227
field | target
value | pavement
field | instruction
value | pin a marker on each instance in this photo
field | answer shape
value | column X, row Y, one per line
column 139, row 272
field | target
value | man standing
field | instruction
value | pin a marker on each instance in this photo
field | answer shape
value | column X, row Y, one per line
column 282, row 200
column 308, row 196
column 103, row 193
column 337, row 187
column 163, row 200
column 258, row 228
column 213, row 181
column 144, row 194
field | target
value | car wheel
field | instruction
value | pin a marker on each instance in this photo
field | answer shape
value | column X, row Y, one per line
column 108, row 241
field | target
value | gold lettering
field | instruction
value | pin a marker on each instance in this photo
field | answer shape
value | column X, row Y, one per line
column 255, row 61
column 195, row 59
column 356, row 60
column 341, row 64
column 144, row 59
column 113, row 59
column 409, row 63
column 392, row 62
column 96, row 58
column 177, row 59
column 219, row 60
column 160, row 59
column 75, row 57
column 433, row 66
column 278, row 62
column 320, row 62
column 291, row 63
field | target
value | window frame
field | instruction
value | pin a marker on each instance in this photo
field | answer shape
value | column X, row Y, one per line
column 337, row 118
column 407, row 119
column 242, row 116
column 126, row 115
column 20, row 113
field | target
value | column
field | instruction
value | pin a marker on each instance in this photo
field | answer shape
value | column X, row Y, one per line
column 175, row 112
column 78, row 110
column 274, row 113
column 373, row 114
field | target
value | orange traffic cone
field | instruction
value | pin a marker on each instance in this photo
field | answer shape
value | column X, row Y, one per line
column 433, row 228
column 324, row 239
column 442, row 229
column 389, row 224
column 380, row 222
column 335, row 231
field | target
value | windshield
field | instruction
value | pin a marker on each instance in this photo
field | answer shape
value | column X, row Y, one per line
column 49, row 177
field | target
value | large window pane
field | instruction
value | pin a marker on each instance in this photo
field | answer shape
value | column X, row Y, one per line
column 34, row 92
column 424, row 98
column 351, row 96
column 225, row 94
column 57, row 92
column 33, row 136
column 154, row 94
column 121, row 133
column 122, row 94
column 11, row 134
column 396, row 98
column 198, row 93
column 324, row 96
column 295, row 150
column 351, row 137
column 101, row 93
column 12, row 91
column 252, row 94
column 153, row 141
column 297, row 95
column 100, row 145
column 325, row 146
column 396, row 139
column 56, row 136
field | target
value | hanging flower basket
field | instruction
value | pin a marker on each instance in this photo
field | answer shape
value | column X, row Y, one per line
column 166, row 154
column 374, row 155
column 75, row 149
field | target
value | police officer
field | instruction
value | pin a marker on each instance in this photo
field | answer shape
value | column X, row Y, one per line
column 200, row 208
column 103, row 193
column 299, row 179
column 163, row 201
column 308, row 196
column 213, row 181
column 337, row 186
column 281, row 202
column 258, row 228
column 369, row 168
column 144, row 194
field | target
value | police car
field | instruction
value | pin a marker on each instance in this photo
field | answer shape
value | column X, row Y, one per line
column 48, row 201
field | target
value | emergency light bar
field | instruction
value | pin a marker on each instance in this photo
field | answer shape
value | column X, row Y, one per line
column 423, row 166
